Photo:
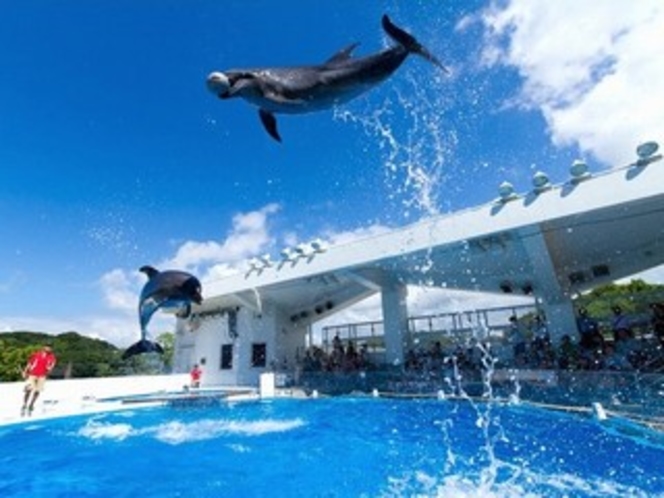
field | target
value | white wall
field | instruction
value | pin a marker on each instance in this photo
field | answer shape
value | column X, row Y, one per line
column 203, row 344
column 62, row 397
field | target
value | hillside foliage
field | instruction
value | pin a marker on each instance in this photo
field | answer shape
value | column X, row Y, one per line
column 78, row 356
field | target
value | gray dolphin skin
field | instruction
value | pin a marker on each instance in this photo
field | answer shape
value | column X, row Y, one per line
column 304, row 89
column 166, row 289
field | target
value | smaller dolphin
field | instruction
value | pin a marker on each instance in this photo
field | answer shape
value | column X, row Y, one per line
column 303, row 89
column 166, row 289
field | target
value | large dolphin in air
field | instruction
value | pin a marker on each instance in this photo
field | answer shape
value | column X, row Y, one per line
column 166, row 289
column 302, row 89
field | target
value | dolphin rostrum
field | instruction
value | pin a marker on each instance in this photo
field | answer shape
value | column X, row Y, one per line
column 303, row 89
column 166, row 289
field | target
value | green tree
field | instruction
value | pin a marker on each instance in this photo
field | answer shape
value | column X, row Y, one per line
column 634, row 298
column 13, row 360
column 78, row 356
column 167, row 341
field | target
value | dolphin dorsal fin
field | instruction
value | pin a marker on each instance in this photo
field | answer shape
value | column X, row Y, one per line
column 148, row 270
column 342, row 55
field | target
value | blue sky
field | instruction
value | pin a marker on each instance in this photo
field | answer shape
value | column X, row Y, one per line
column 113, row 154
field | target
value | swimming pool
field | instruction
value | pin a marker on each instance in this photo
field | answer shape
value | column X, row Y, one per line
column 331, row 447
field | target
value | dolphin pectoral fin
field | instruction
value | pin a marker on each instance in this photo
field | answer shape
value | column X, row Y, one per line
column 409, row 42
column 238, row 86
column 142, row 346
column 342, row 55
column 270, row 124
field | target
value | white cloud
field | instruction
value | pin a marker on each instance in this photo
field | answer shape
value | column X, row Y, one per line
column 119, row 289
column 209, row 260
column 592, row 68
column 249, row 236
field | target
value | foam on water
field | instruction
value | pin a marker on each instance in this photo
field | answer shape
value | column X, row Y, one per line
column 100, row 430
column 178, row 432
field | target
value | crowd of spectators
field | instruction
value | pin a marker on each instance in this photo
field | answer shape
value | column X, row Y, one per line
column 612, row 345
column 341, row 358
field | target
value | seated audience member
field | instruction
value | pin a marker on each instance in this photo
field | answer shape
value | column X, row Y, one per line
column 614, row 360
column 657, row 321
column 587, row 327
column 619, row 322
column 567, row 354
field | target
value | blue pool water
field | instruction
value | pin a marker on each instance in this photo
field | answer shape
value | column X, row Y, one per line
column 333, row 447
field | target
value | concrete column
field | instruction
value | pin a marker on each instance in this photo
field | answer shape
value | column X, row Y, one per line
column 554, row 298
column 561, row 319
column 395, row 321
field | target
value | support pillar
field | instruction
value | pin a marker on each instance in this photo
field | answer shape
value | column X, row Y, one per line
column 395, row 321
column 554, row 298
column 561, row 319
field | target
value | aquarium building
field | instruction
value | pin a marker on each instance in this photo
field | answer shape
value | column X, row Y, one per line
column 551, row 242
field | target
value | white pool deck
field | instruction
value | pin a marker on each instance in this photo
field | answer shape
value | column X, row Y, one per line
column 62, row 398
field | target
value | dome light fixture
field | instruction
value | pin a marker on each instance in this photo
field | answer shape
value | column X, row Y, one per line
column 579, row 171
column 303, row 250
column 506, row 192
column 541, row 182
column 318, row 245
column 647, row 152
column 288, row 254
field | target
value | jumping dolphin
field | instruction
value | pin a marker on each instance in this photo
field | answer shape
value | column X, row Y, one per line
column 166, row 289
column 303, row 89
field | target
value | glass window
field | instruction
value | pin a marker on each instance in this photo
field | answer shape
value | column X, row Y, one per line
column 258, row 354
column 227, row 357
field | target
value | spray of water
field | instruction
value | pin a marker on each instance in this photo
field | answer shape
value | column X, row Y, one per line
column 413, row 140
column 487, row 422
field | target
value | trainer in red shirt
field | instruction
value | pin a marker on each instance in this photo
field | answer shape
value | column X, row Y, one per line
column 196, row 374
column 39, row 366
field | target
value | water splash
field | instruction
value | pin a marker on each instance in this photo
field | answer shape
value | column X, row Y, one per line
column 413, row 138
column 112, row 231
column 487, row 422
column 528, row 484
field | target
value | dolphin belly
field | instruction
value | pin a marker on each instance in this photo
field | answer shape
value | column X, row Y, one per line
column 180, row 306
column 319, row 100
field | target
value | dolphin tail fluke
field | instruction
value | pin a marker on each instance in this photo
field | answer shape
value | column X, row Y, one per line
column 142, row 346
column 409, row 42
